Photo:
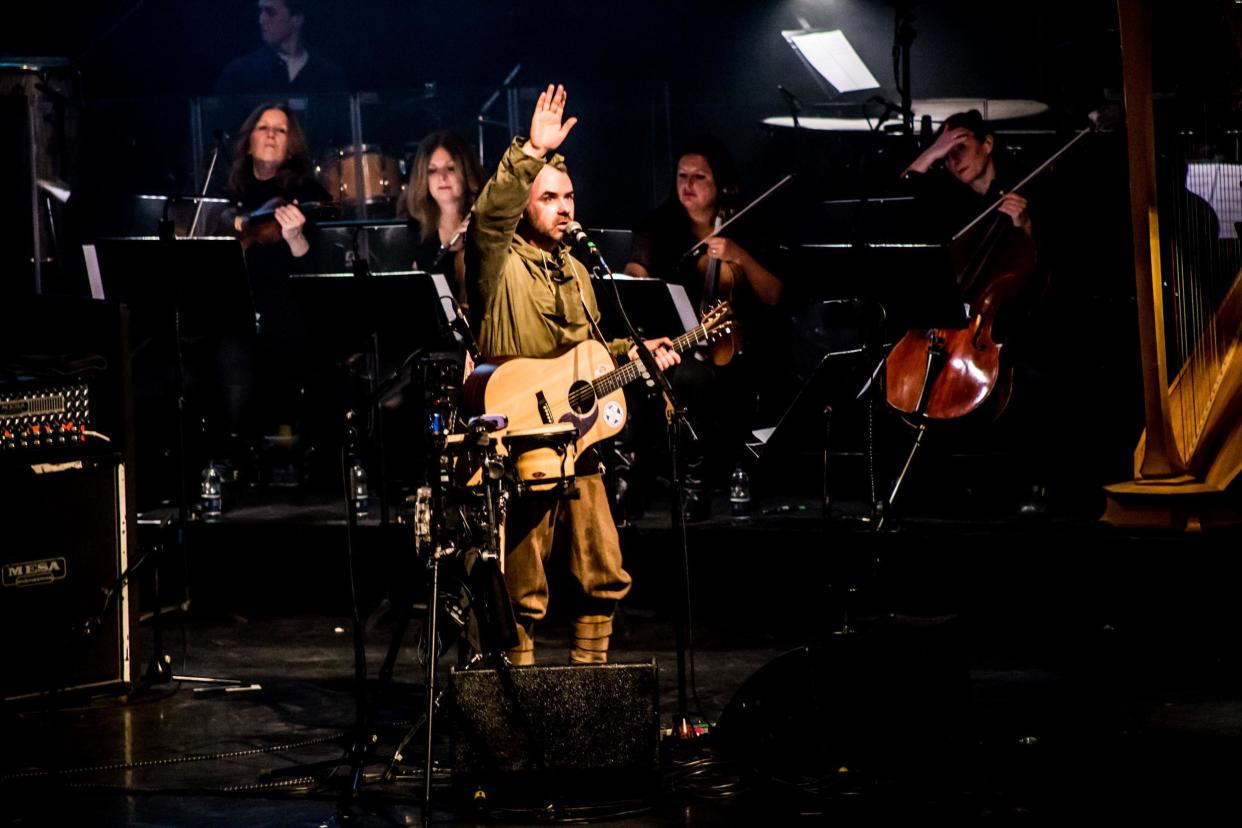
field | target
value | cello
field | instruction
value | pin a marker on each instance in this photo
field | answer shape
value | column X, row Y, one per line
column 947, row 373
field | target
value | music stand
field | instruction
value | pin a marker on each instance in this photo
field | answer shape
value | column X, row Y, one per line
column 906, row 286
column 657, row 308
column 198, row 286
column 388, row 316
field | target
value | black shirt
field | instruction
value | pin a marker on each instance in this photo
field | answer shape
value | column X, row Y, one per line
column 264, row 72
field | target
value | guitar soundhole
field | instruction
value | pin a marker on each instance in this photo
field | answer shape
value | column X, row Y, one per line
column 581, row 397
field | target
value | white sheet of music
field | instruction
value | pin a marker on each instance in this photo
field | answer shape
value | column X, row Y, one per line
column 92, row 271
column 1220, row 185
column 685, row 310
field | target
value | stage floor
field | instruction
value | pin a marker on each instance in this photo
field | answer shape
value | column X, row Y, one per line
column 994, row 671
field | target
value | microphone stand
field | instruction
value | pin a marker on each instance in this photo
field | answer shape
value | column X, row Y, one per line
column 677, row 421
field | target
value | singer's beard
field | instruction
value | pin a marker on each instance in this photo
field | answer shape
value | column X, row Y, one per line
column 543, row 240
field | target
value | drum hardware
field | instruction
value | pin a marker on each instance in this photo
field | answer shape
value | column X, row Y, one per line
column 542, row 460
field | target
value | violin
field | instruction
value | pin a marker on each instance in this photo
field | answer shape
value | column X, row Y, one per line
column 946, row 373
column 259, row 226
column 719, row 280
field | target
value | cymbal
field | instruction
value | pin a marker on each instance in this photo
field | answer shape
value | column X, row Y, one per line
column 993, row 109
column 824, row 124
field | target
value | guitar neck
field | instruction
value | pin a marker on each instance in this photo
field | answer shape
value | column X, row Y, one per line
column 632, row 370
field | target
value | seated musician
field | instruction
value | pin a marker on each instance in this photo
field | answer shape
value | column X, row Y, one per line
column 957, row 177
column 444, row 182
column 532, row 298
column 718, row 399
column 270, row 181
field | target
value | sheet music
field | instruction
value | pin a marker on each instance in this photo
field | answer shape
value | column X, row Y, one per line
column 447, row 304
column 685, row 310
column 92, row 270
column 1220, row 185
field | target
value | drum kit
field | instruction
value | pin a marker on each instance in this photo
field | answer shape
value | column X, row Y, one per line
column 457, row 521
column 361, row 176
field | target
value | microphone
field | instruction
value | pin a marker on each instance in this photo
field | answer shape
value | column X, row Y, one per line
column 794, row 103
column 575, row 232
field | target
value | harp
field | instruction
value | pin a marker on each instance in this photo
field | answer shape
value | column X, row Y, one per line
column 1184, row 149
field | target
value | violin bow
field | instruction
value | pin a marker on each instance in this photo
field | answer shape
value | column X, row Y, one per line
column 1028, row 177
column 737, row 215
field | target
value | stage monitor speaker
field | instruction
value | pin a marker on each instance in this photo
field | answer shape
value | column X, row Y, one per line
column 892, row 701
column 67, row 618
column 532, row 735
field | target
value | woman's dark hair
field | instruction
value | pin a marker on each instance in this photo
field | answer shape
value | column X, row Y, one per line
column 297, row 161
column 418, row 201
column 972, row 120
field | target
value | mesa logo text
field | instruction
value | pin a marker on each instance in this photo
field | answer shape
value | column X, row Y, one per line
column 32, row 573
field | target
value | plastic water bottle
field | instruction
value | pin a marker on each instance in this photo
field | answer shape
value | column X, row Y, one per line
column 739, row 492
column 359, row 492
column 211, row 491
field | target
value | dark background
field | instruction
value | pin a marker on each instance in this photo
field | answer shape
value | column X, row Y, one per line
column 643, row 77
column 646, row 74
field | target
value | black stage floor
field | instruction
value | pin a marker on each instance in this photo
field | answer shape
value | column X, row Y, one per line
column 995, row 671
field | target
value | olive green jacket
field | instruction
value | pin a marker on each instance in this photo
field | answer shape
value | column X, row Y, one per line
column 531, row 302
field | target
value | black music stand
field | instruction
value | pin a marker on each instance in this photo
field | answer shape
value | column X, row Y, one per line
column 897, row 287
column 656, row 307
column 186, row 287
column 387, row 317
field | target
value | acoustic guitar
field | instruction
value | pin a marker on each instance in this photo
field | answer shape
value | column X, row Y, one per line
column 582, row 385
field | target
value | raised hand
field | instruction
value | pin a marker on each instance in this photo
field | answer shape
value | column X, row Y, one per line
column 546, row 129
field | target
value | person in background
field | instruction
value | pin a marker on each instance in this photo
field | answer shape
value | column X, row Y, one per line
column 719, row 399
column 445, row 179
column 282, row 65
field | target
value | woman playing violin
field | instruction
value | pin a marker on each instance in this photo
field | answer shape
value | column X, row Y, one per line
column 272, row 166
column 706, row 185
column 271, row 174
column 718, row 397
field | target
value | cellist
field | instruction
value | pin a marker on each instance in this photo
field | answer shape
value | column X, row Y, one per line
column 715, row 390
column 954, row 180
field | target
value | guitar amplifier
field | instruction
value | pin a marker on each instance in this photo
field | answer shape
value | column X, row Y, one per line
column 69, row 615
column 37, row 416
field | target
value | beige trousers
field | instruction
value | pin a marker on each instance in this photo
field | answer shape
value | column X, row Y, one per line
column 532, row 528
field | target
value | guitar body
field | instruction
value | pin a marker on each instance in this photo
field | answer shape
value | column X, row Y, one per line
column 530, row 392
